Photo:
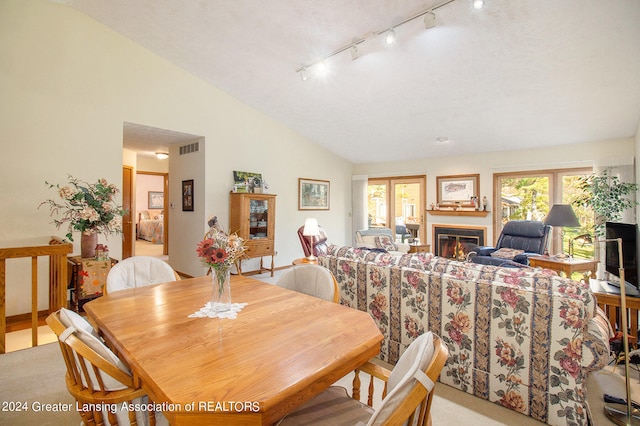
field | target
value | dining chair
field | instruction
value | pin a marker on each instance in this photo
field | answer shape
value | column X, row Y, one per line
column 98, row 380
column 138, row 271
column 406, row 399
column 314, row 280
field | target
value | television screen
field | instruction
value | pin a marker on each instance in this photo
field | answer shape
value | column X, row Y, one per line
column 628, row 233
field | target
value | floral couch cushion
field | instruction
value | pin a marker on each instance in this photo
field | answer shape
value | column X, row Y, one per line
column 522, row 338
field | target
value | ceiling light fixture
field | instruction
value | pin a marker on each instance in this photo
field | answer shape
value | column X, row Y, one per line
column 389, row 34
column 303, row 74
column 478, row 4
column 442, row 140
column 162, row 155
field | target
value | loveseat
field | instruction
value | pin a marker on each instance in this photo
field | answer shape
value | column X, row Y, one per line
column 522, row 338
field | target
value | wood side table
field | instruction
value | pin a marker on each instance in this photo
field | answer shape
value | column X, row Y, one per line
column 87, row 279
column 419, row 248
column 610, row 303
column 566, row 266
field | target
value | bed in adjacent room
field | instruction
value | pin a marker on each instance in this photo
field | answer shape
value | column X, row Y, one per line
column 150, row 227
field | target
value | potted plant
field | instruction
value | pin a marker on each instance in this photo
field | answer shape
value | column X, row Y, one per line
column 607, row 196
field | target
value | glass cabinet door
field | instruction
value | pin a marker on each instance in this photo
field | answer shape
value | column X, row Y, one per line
column 258, row 218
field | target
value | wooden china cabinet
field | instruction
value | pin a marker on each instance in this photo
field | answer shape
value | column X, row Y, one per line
column 253, row 218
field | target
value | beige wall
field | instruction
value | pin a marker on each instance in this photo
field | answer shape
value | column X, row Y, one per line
column 68, row 84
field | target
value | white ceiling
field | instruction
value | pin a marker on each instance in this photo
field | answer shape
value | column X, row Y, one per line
column 515, row 74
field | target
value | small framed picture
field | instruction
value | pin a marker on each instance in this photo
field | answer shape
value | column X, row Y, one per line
column 187, row 195
column 457, row 189
column 313, row 194
column 156, row 200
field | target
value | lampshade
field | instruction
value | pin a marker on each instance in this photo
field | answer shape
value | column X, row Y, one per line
column 562, row 215
column 311, row 227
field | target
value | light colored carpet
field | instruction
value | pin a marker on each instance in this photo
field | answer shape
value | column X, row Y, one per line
column 35, row 376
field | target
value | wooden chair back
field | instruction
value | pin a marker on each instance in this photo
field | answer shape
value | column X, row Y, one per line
column 84, row 380
column 415, row 408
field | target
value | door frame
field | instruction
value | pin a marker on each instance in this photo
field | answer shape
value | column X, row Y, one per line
column 165, row 208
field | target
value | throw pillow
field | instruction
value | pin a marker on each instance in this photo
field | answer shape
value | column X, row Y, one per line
column 385, row 243
column 506, row 253
column 145, row 215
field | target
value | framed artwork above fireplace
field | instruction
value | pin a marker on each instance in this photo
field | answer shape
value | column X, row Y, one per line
column 457, row 189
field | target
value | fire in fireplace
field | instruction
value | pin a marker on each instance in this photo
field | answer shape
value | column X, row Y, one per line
column 455, row 242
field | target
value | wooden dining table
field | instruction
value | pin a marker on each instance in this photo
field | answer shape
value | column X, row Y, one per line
column 282, row 349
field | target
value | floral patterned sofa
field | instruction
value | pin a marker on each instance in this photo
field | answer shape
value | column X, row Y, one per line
column 523, row 338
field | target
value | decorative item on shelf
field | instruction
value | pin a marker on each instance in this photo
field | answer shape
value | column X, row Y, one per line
column 88, row 208
column 247, row 182
column 99, row 252
column 220, row 252
column 484, row 203
column 311, row 230
column 562, row 215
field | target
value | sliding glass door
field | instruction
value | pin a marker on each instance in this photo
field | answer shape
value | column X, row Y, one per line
column 399, row 204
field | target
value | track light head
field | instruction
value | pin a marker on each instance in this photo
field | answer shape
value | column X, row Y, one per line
column 354, row 52
column 303, row 74
column 321, row 69
column 478, row 4
column 429, row 20
column 390, row 37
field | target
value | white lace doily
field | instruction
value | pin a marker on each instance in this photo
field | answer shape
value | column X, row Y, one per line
column 208, row 312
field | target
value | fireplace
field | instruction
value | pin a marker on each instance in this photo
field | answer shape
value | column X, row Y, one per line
column 455, row 241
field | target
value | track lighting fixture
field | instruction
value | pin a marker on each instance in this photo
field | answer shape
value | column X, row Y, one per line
column 389, row 35
column 429, row 20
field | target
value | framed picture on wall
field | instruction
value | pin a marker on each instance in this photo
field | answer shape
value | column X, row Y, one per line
column 187, row 195
column 313, row 194
column 156, row 200
column 457, row 189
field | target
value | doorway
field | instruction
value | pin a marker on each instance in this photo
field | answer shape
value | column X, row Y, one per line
column 151, row 213
column 398, row 203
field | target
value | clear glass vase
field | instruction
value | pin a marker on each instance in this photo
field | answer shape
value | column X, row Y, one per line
column 221, row 294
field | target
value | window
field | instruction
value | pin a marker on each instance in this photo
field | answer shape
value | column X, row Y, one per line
column 529, row 195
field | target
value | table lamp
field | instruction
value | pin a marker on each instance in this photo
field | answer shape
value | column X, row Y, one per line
column 311, row 229
column 562, row 215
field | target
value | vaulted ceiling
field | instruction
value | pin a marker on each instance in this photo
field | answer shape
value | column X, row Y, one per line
column 514, row 74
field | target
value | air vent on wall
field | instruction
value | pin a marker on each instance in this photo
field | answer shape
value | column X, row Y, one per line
column 192, row 147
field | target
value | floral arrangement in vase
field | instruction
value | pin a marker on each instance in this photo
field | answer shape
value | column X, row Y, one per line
column 220, row 251
column 88, row 208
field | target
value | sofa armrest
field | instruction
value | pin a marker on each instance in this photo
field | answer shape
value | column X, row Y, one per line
column 403, row 247
column 484, row 250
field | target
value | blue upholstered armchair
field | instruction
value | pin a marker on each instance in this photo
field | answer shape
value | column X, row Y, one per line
column 524, row 237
